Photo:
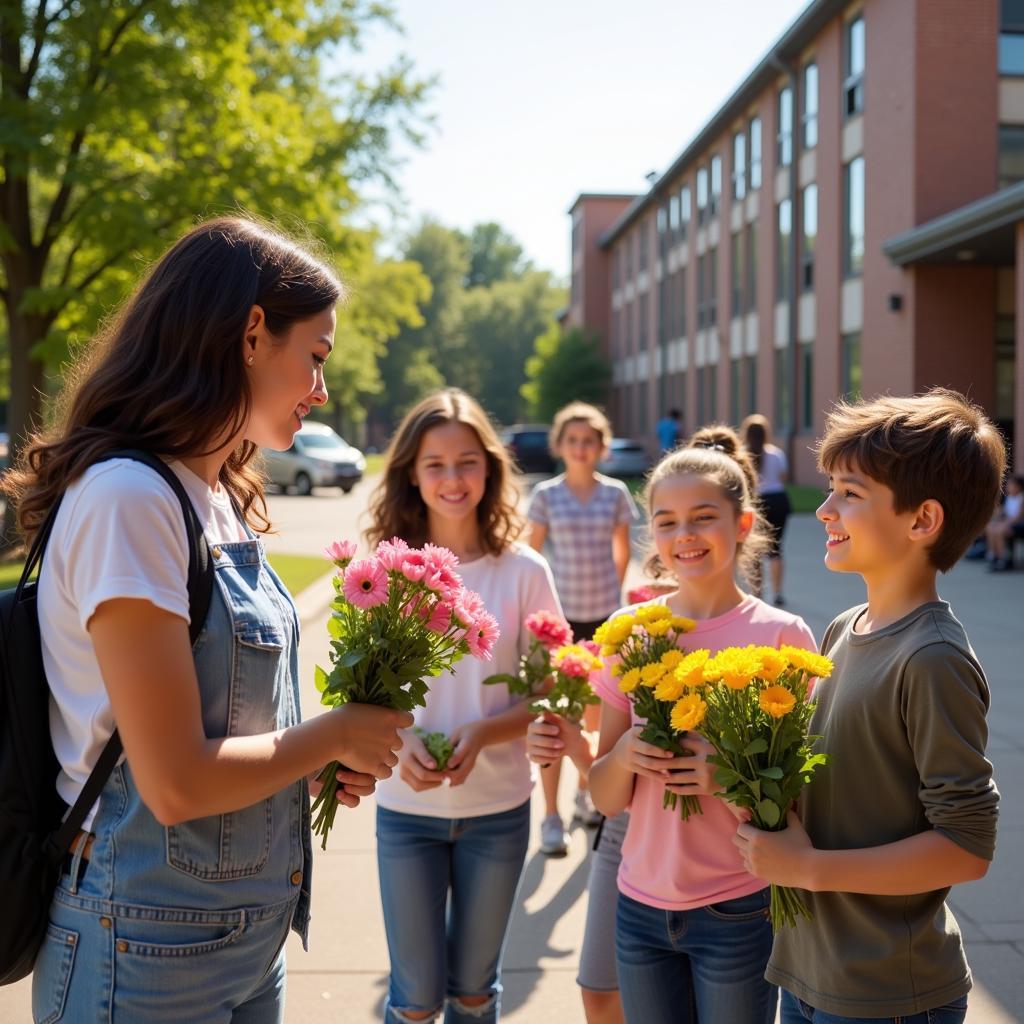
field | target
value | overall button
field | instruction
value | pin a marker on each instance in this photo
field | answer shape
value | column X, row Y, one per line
column 122, row 946
column 296, row 877
column 216, row 552
column 105, row 922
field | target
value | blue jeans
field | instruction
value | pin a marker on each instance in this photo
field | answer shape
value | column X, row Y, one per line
column 448, row 886
column 796, row 1011
column 685, row 966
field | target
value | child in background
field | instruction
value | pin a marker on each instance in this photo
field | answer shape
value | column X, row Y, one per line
column 451, row 844
column 585, row 518
column 692, row 932
column 1006, row 526
column 907, row 807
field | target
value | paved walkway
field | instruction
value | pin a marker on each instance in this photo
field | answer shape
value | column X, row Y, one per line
column 342, row 979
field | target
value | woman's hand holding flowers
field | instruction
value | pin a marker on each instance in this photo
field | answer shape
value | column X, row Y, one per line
column 416, row 766
column 469, row 739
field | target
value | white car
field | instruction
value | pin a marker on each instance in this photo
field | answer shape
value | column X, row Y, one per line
column 625, row 457
column 318, row 457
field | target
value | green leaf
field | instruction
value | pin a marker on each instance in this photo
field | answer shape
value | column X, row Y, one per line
column 768, row 811
column 771, row 773
column 319, row 679
column 758, row 746
column 350, row 659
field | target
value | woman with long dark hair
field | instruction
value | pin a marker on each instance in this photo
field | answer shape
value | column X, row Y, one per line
column 195, row 861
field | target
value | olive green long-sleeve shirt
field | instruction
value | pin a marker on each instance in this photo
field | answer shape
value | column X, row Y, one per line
column 903, row 718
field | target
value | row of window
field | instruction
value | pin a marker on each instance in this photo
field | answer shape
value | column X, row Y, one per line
column 743, row 385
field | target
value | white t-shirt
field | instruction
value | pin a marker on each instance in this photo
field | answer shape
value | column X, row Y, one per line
column 512, row 585
column 772, row 476
column 120, row 532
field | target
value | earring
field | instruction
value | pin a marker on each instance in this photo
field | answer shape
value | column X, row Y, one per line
column 249, row 360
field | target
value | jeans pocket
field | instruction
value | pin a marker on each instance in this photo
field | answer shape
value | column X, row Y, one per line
column 224, row 846
column 742, row 908
column 52, row 974
column 184, row 939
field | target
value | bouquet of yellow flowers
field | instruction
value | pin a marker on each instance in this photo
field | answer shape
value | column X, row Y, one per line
column 751, row 704
column 646, row 642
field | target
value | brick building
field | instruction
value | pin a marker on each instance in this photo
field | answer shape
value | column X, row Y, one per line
column 848, row 222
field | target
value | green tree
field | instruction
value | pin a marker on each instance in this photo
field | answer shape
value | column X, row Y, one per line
column 499, row 325
column 124, row 121
column 566, row 366
column 494, row 255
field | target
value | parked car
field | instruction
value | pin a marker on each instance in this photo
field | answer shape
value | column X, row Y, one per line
column 527, row 443
column 625, row 458
column 318, row 457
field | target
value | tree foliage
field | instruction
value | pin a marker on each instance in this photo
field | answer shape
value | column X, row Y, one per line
column 566, row 366
column 125, row 121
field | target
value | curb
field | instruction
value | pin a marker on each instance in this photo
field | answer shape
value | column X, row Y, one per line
column 312, row 601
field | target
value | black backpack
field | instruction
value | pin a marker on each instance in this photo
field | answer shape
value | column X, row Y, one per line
column 35, row 834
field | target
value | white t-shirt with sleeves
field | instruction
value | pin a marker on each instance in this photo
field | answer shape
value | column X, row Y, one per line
column 774, row 468
column 119, row 533
column 512, row 585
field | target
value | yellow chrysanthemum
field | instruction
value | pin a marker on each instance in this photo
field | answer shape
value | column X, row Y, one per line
column 776, row 701
column 652, row 613
column 616, row 669
column 690, row 671
column 688, row 712
column 652, row 674
column 669, row 688
column 629, row 682
column 808, row 661
column 773, row 663
column 607, row 650
column 735, row 666
column 657, row 628
column 681, row 624
column 672, row 658
column 600, row 633
column 618, row 629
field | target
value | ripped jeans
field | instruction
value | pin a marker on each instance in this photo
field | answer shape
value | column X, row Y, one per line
column 448, row 887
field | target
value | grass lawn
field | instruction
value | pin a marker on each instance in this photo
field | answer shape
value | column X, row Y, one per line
column 374, row 463
column 297, row 571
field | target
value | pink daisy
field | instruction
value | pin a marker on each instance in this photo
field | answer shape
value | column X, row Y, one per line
column 550, row 629
column 439, row 557
column 366, row 583
column 483, row 635
column 414, row 566
column 390, row 553
column 440, row 618
column 341, row 552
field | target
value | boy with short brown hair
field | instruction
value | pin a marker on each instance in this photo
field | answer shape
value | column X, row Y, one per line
column 907, row 807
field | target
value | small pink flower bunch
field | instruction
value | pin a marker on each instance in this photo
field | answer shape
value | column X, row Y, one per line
column 550, row 629
column 548, row 632
column 647, row 592
column 399, row 616
column 572, row 665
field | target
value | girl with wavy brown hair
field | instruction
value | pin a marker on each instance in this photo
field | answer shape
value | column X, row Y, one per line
column 194, row 863
column 452, row 838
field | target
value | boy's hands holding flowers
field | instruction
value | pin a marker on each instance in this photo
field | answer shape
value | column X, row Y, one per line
column 782, row 858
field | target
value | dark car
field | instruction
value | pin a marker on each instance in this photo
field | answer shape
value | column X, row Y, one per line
column 527, row 443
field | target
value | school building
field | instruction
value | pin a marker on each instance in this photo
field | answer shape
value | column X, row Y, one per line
column 850, row 221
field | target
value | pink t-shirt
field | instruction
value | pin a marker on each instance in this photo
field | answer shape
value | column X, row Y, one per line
column 681, row 865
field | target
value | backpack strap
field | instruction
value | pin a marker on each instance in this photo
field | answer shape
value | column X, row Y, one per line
column 200, row 592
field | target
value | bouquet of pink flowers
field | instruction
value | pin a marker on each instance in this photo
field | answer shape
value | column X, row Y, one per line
column 397, row 617
column 549, row 632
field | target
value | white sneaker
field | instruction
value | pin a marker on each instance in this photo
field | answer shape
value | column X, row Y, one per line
column 554, row 840
column 584, row 810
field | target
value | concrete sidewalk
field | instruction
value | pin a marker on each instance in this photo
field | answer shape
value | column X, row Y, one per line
column 343, row 977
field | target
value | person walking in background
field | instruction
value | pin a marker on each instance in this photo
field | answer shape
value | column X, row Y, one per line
column 692, row 932
column 585, row 518
column 669, row 430
column 451, row 842
column 194, row 863
column 1006, row 527
column 772, row 473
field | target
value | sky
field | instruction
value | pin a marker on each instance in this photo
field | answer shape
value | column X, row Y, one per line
column 539, row 100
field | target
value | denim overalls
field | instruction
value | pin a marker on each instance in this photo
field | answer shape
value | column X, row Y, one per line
column 187, row 923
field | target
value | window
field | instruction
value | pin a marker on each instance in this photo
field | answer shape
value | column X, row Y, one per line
column 643, row 340
column 807, row 385
column 853, row 259
column 735, row 389
column 755, row 153
column 713, row 395
column 685, row 212
column 713, row 287
column 641, row 242
column 701, row 276
column 783, row 236
column 853, row 86
column 809, row 225
column 1011, row 37
column 627, row 246
column 751, row 382
column 702, row 194
column 785, row 139
column 810, row 106
column 752, row 266
column 616, row 267
column 681, row 328
column 782, row 388
column 716, row 185
column 739, row 165
column 850, row 370
column 673, row 215
column 701, row 402
column 736, row 274
column 1011, row 154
